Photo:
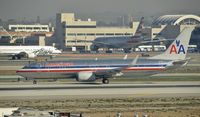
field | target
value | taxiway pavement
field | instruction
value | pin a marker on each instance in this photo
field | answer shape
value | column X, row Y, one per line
column 161, row 89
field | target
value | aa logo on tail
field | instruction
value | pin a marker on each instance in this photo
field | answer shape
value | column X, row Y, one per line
column 177, row 48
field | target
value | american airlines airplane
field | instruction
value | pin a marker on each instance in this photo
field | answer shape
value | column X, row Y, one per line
column 92, row 70
column 17, row 52
column 125, row 42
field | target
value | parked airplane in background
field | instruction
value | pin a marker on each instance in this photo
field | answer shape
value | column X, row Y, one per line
column 17, row 52
column 91, row 70
column 125, row 42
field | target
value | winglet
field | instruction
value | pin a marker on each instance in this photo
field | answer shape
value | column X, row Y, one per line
column 125, row 57
column 134, row 62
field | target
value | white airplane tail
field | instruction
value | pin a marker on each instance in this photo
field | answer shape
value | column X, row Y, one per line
column 178, row 49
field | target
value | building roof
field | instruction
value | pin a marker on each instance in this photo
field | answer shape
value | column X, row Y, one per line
column 174, row 19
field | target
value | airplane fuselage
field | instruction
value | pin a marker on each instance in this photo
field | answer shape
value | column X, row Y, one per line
column 117, row 42
column 70, row 69
column 31, row 51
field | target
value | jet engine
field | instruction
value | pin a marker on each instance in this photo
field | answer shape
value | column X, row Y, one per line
column 31, row 55
column 85, row 77
column 94, row 47
column 127, row 50
column 23, row 54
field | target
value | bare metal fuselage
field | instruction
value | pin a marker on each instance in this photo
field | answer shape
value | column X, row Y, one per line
column 70, row 69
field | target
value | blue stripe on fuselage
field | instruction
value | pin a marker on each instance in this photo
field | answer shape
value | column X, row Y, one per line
column 92, row 66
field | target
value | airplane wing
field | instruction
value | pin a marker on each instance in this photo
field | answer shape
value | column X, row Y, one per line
column 103, row 43
column 154, row 41
column 116, row 71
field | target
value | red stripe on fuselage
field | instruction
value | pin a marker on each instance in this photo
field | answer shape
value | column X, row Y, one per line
column 92, row 70
column 144, row 69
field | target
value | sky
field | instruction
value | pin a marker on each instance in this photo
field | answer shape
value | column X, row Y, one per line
column 96, row 9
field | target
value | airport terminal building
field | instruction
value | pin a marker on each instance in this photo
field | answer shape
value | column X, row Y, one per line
column 75, row 33
column 29, row 28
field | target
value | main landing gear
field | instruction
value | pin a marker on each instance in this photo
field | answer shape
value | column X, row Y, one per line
column 16, row 57
column 105, row 81
column 34, row 81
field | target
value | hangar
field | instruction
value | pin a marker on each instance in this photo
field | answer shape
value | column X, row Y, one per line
column 169, row 26
column 177, row 20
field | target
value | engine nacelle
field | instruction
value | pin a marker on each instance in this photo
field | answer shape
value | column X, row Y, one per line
column 94, row 47
column 31, row 55
column 85, row 77
column 119, row 74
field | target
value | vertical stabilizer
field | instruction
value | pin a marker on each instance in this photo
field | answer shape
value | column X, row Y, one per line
column 140, row 27
column 178, row 49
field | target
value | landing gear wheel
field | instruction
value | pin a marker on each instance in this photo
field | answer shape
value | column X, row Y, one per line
column 34, row 82
column 18, row 57
column 95, row 48
column 55, row 79
column 13, row 57
column 105, row 81
column 127, row 50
